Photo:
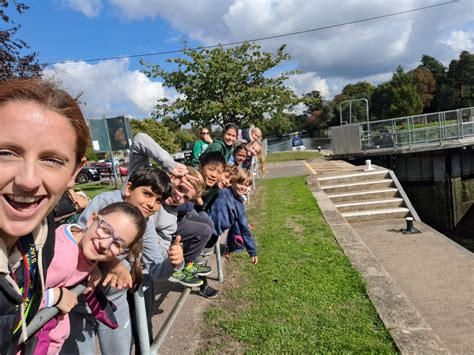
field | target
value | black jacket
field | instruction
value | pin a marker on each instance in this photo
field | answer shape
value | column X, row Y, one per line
column 9, row 297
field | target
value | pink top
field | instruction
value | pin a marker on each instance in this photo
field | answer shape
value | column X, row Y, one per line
column 68, row 268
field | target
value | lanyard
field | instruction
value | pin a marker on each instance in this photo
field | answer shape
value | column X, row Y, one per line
column 27, row 248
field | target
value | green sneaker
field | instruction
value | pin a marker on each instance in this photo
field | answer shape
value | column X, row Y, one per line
column 199, row 270
column 185, row 278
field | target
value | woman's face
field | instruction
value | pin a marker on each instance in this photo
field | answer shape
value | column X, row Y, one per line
column 37, row 164
column 240, row 156
column 108, row 236
column 230, row 136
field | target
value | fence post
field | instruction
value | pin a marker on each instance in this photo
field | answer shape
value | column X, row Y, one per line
column 142, row 325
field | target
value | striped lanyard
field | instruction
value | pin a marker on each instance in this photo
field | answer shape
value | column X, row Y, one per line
column 26, row 246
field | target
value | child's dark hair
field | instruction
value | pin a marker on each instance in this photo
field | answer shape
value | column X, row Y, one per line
column 240, row 147
column 230, row 126
column 211, row 158
column 156, row 178
column 136, row 247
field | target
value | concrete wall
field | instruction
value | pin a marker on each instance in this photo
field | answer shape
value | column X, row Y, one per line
column 440, row 185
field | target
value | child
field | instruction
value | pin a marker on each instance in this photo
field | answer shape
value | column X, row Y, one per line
column 228, row 210
column 253, row 149
column 146, row 189
column 247, row 135
column 224, row 146
column 115, row 230
column 211, row 167
column 239, row 156
column 230, row 171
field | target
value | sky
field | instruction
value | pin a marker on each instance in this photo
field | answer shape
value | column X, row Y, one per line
column 65, row 33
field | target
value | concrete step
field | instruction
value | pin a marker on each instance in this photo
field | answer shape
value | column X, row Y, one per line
column 370, row 215
column 370, row 204
column 363, row 195
column 349, row 177
column 357, row 186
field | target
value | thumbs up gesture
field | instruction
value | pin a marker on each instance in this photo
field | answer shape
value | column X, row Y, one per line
column 175, row 253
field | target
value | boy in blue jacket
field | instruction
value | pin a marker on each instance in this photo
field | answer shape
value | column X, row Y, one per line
column 228, row 212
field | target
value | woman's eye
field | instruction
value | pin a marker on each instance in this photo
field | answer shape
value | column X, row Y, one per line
column 5, row 154
column 54, row 162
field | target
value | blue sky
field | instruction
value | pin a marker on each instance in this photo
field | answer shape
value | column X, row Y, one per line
column 76, row 30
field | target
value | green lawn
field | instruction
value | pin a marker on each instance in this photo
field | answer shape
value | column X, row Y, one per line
column 286, row 156
column 303, row 297
column 93, row 188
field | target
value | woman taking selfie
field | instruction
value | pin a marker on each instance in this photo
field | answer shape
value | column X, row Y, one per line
column 43, row 141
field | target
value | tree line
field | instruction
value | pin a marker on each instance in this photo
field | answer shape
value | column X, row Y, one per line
column 242, row 84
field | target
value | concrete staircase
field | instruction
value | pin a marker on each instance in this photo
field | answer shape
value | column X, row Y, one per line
column 364, row 195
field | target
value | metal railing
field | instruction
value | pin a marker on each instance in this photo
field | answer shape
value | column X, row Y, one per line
column 430, row 128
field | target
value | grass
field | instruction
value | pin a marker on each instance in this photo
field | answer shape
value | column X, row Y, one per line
column 304, row 296
column 286, row 156
column 92, row 189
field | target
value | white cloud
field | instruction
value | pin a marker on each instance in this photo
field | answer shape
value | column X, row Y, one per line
column 461, row 41
column 90, row 8
column 108, row 88
column 336, row 56
column 306, row 82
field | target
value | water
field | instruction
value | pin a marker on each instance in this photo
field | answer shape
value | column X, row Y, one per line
column 284, row 143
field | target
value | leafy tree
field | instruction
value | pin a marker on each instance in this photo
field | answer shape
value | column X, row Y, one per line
column 425, row 83
column 313, row 101
column 436, row 67
column 184, row 138
column 218, row 86
column 157, row 131
column 397, row 98
column 462, row 71
column 357, row 110
column 13, row 64
column 280, row 124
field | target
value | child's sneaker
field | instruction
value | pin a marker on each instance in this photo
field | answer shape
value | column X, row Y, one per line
column 185, row 278
column 208, row 292
column 207, row 251
column 199, row 270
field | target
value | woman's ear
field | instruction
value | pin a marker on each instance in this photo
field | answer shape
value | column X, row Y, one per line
column 91, row 219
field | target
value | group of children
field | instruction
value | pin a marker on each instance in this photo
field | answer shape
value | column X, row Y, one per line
column 157, row 227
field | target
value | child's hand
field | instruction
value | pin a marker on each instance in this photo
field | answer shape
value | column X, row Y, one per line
column 68, row 300
column 254, row 260
column 93, row 279
column 179, row 170
column 199, row 202
column 117, row 275
column 175, row 253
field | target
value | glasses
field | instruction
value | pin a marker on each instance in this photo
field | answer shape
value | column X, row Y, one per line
column 105, row 231
column 204, row 133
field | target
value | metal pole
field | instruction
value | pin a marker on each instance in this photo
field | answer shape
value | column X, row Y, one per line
column 160, row 338
column 111, row 154
column 220, row 271
column 46, row 314
column 142, row 325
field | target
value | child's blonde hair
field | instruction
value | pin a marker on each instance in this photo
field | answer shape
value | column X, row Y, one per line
column 243, row 176
column 198, row 183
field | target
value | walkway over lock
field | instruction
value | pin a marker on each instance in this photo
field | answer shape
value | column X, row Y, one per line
column 421, row 132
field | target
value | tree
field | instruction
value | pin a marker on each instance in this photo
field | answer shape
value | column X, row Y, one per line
column 157, row 131
column 436, row 67
column 12, row 63
column 218, row 86
column 462, row 72
column 280, row 124
column 313, row 101
column 397, row 98
column 425, row 83
column 358, row 109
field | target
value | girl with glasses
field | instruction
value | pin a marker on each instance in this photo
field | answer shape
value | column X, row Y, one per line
column 116, row 230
